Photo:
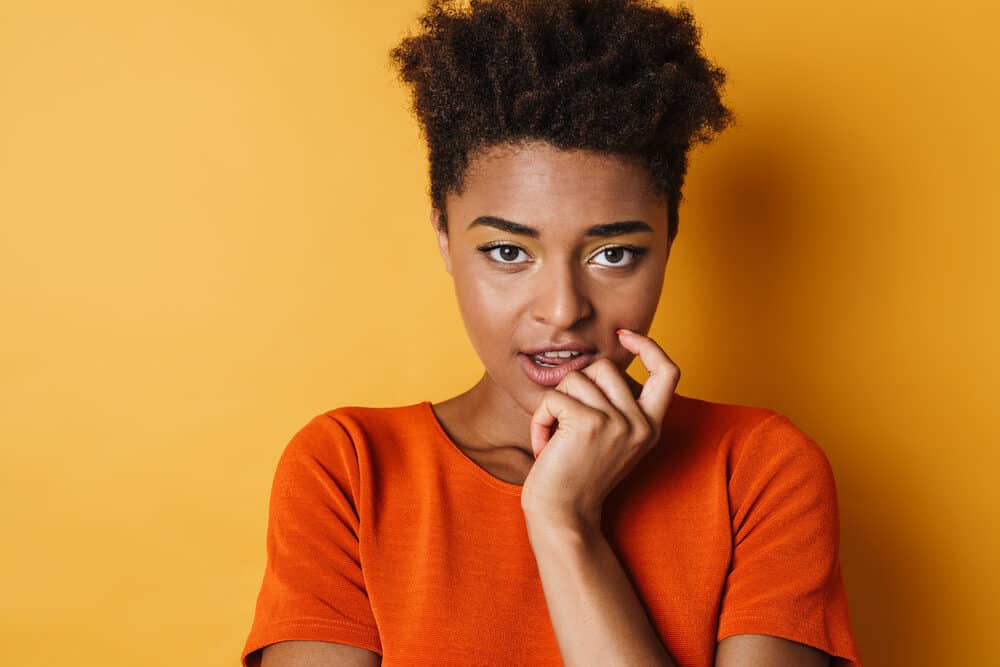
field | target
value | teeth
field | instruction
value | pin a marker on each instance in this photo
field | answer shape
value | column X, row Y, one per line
column 559, row 354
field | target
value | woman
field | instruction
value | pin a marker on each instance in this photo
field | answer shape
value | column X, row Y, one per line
column 558, row 512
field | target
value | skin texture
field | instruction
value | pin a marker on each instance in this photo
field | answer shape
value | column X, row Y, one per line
column 558, row 289
column 317, row 654
column 589, row 430
column 563, row 293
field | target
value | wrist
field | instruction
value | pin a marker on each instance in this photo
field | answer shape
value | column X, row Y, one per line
column 561, row 522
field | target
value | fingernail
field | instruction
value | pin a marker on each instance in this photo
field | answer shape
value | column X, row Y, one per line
column 621, row 331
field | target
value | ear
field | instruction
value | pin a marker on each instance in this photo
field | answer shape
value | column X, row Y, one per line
column 442, row 239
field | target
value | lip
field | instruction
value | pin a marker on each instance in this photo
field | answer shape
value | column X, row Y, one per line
column 550, row 377
column 572, row 347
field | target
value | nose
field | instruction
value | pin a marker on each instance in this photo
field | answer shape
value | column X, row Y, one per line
column 560, row 296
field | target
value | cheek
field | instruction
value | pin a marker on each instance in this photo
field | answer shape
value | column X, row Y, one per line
column 632, row 298
column 487, row 309
column 642, row 295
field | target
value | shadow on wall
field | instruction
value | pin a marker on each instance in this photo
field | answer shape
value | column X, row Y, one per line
column 779, row 282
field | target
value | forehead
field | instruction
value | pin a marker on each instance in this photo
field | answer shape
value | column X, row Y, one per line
column 539, row 183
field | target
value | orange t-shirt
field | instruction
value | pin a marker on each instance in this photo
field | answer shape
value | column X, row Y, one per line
column 383, row 534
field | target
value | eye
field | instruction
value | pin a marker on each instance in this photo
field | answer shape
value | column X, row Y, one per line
column 615, row 256
column 507, row 253
column 620, row 255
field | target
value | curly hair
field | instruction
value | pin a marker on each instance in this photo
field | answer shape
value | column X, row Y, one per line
column 623, row 77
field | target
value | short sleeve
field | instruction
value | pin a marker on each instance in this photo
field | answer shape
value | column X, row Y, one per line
column 313, row 587
column 785, row 577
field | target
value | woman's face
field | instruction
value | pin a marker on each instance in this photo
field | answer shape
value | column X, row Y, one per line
column 548, row 248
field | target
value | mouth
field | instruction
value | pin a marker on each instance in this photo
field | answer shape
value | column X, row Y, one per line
column 548, row 369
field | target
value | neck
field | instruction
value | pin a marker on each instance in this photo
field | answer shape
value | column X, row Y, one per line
column 496, row 418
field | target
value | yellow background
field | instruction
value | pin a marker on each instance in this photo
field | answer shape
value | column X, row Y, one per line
column 214, row 226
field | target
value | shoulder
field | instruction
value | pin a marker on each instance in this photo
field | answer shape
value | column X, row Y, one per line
column 748, row 435
column 773, row 447
column 364, row 419
column 353, row 425
column 775, row 473
column 342, row 439
column 752, row 449
column 713, row 420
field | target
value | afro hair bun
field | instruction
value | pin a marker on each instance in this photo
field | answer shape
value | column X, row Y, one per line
column 625, row 77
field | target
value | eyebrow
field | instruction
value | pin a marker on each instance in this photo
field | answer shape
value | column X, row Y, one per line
column 600, row 231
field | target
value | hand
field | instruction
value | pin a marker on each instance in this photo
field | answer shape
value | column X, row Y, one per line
column 602, row 432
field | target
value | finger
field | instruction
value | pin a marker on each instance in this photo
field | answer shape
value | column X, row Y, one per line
column 612, row 382
column 545, row 417
column 555, row 406
column 663, row 373
column 582, row 387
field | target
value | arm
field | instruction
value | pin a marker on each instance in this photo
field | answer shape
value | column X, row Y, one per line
column 313, row 588
column 596, row 615
column 767, row 651
column 317, row 654
column 586, row 435
column 599, row 620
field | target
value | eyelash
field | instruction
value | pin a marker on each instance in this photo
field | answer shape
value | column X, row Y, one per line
column 636, row 251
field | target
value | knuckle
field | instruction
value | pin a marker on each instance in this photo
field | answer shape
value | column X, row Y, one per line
column 603, row 364
column 618, row 426
column 596, row 421
column 637, row 447
column 567, row 380
column 644, row 432
column 646, row 435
